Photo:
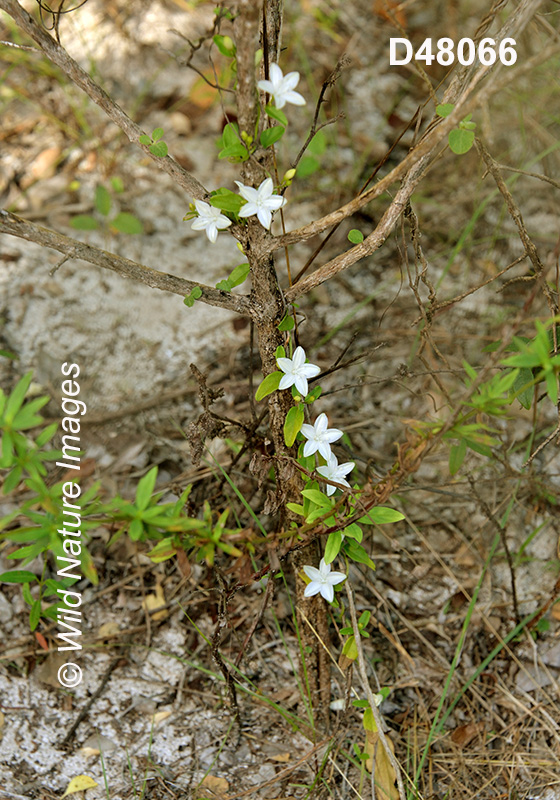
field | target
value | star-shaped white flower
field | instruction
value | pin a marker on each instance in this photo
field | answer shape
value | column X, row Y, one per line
column 281, row 87
column 210, row 219
column 320, row 437
column 322, row 581
column 260, row 201
column 333, row 471
column 296, row 371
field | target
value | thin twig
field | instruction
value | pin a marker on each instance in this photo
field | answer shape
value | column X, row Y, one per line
column 371, row 700
column 16, row 226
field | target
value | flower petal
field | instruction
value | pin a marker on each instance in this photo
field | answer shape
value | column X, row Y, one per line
column 265, row 218
column 336, row 577
column 266, row 86
column 313, row 588
column 324, row 449
column 286, row 381
column 291, row 80
column 295, row 98
column 313, row 573
column 309, row 448
column 301, row 385
column 327, row 592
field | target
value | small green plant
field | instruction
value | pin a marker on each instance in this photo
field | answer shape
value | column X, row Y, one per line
column 121, row 222
column 39, row 515
column 460, row 139
column 155, row 143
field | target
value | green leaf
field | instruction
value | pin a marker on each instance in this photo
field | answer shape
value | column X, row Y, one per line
column 460, row 141
column 157, row 133
column 83, row 222
column 16, row 398
column 230, row 134
column 188, row 300
column 457, row 453
column 127, row 223
column 332, row 547
column 145, row 488
column 272, row 135
column 296, row 508
column 270, row 384
column 234, row 151
column 276, row 114
column 227, row 201
column 313, row 395
column 117, row 183
column 196, row 292
column 46, row 435
column 224, row 286
column 239, row 275
column 292, row 424
column 12, row 480
column 380, row 515
column 317, row 497
column 355, row 236
column 136, row 530
column 523, row 387
column 445, row 109
column 159, row 149
column 143, row 139
column 287, row 323
column 225, row 45
column 318, row 144
column 280, row 352
column 35, row 614
column 354, row 531
column 17, row 576
column 102, row 200
column 307, row 166
column 357, row 553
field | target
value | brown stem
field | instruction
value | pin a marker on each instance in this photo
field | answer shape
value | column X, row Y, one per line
column 72, row 248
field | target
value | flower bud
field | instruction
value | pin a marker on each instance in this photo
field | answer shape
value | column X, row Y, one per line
column 289, row 175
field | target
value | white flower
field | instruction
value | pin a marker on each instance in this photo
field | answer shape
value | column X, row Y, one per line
column 297, row 371
column 333, row 471
column 260, row 201
column 281, row 87
column 209, row 219
column 322, row 580
column 319, row 437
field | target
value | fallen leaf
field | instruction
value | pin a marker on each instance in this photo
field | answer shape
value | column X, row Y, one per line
column 160, row 716
column 464, row 734
column 154, row 601
column 281, row 757
column 215, row 785
column 108, row 629
column 79, row 784
column 384, row 776
column 41, row 640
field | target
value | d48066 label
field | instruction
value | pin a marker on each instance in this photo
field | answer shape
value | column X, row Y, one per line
column 487, row 51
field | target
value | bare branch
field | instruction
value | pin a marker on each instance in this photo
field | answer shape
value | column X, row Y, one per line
column 72, row 248
column 437, row 131
column 371, row 243
column 58, row 55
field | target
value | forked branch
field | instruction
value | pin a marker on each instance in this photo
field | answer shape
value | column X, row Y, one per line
column 72, row 248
